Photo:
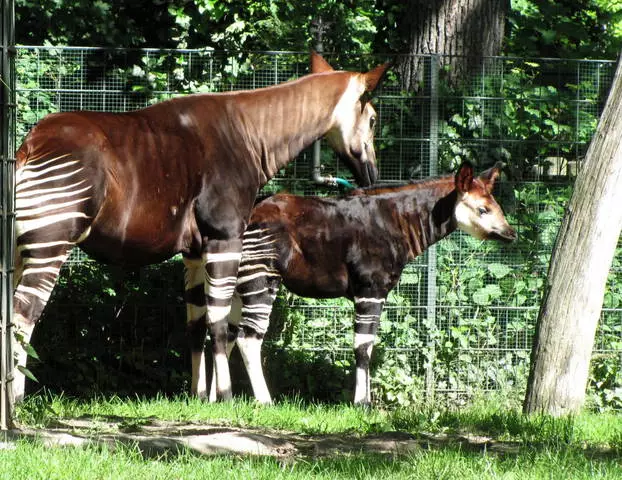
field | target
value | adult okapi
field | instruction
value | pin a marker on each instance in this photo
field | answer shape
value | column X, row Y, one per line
column 354, row 246
column 179, row 176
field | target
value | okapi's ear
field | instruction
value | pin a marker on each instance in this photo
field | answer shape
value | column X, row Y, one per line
column 490, row 176
column 373, row 77
column 318, row 64
column 464, row 177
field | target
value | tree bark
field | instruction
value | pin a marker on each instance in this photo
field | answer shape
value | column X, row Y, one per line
column 467, row 30
column 578, row 271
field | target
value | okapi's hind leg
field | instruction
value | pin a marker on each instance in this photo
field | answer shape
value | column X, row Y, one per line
column 249, row 343
column 195, row 286
column 230, row 344
column 258, row 284
column 35, row 278
column 368, row 310
column 223, row 259
column 52, row 202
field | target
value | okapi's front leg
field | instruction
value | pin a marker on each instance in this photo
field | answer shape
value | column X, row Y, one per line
column 368, row 310
column 223, row 259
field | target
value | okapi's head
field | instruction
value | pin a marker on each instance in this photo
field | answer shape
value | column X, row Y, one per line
column 477, row 212
column 351, row 134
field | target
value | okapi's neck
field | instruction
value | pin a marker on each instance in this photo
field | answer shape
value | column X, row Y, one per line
column 289, row 117
column 425, row 212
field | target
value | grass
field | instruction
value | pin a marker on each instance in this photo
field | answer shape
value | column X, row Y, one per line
column 37, row 462
column 586, row 446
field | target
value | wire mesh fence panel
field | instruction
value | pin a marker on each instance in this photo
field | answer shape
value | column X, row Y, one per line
column 462, row 317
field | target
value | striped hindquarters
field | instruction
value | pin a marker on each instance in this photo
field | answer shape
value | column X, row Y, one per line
column 51, row 201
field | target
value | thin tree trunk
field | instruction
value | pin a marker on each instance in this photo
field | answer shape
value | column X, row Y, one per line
column 580, row 263
column 468, row 30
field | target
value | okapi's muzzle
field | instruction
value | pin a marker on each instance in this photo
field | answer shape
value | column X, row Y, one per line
column 507, row 235
column 370, row 174
column 365, row 172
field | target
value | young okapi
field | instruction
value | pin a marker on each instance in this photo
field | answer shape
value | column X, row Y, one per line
column 179, row 176
column 355, row 247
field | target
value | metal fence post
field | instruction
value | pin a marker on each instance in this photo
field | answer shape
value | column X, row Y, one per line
column 431, row 266
column 7, row 210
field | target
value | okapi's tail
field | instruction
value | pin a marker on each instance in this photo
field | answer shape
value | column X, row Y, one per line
column 235, row 315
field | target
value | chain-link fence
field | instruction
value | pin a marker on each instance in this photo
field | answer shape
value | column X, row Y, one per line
column 463, row 315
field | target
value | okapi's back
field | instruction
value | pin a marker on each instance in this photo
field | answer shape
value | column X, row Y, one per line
column 301, row 218
column 139, row 137
column 59, row 134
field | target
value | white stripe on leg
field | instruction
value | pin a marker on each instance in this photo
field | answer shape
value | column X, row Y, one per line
column 222, row 376
column 212, row 391
column 362, row 390
column 199, row 380
column 250, row 348
column 24, row 331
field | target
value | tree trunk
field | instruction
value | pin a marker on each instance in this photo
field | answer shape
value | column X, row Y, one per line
column 580, row 263
column 467, row 30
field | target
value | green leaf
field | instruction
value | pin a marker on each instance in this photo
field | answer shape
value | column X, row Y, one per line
column 485, row 295
column 498, row 270
column 493, row 290
column 27, row 373
column 409, row 278
column 30, row 351
column 481, row 297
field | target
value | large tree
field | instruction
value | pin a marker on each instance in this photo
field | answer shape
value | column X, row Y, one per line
column 466, row 30
column 580, row 263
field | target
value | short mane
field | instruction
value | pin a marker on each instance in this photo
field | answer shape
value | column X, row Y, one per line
column 391, row 187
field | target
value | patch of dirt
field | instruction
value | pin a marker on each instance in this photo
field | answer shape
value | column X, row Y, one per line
column 156, row 438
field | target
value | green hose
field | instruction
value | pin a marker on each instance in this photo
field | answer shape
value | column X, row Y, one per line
column 344, row 183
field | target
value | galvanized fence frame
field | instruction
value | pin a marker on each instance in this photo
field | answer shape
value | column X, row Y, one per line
column 7, row 208
column 418, row 136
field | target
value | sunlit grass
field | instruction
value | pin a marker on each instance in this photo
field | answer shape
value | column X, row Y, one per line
column 586, row 446
column 34, row 461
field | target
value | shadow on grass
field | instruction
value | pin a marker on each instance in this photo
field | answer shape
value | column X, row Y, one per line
column 449, row 434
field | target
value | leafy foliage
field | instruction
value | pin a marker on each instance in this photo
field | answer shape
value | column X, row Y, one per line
column 102, row 23
column 565, row 29
column 219, row 24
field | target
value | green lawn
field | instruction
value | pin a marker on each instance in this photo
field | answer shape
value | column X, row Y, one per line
column 587, row 446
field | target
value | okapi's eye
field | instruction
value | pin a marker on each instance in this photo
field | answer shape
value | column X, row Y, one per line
column 372, row 122
column 482, row 210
